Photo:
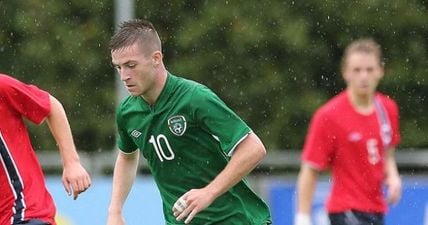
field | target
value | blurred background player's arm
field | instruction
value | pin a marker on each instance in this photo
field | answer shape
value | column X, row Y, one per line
column 393, row 180
column 75, row 178
column 306, row 183
column 125, row 171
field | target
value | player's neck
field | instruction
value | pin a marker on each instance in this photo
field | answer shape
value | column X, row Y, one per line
column 152, row 96
column 363, row 104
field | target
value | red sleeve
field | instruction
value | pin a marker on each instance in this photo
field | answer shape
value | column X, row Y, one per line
column 28, row 100
column 318, row 149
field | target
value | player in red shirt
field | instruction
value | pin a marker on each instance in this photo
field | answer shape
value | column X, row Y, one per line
column 24, row 198
column 354, row 135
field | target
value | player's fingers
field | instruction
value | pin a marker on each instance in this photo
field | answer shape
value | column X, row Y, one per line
column 67, row 186
column 394, row 194
column 182, row 202
column 191, row 215
column 81, row 185
column 397, row 195
column 182, row 209
column 179, row 206
column 76, row 189
column 177, row 209
column 88, row 181
column 183, row 214
column 392, row 199
column 85, row 184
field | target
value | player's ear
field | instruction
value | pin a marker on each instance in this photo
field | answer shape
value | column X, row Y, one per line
column 157, row 58
column 382, row 71
column 344, row 74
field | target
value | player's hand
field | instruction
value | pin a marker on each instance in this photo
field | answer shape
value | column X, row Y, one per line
column 75, row 179
column 302, row 219
column 115, row 219
column 191, row 203
column 394, row 189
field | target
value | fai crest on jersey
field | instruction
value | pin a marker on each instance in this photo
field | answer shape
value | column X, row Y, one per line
column 177, row 125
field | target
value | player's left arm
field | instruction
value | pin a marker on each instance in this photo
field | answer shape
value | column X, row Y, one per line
column 393, row 180
column 75, row 178
column 244, row 159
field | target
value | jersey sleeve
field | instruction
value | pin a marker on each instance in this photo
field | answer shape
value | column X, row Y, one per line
column 124, row 140
column 318, row 149
column 217, row 119
column 27, row 100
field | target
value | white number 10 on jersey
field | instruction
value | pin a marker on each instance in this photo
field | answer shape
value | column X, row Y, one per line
column 157, row 144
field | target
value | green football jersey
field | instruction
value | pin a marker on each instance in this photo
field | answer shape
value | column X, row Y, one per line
column 187, row 137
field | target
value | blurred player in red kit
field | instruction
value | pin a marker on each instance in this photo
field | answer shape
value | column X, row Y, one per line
column 24, row 198
column 354, row 135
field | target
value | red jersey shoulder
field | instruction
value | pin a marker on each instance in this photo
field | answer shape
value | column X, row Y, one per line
column 25, row 99
column 9, row 85
column 333, row 107
column 5, row 82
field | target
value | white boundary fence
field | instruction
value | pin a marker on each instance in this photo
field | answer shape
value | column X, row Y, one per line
column 101, row 163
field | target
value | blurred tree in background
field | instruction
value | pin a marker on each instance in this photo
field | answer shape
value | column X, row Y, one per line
column 273, row 62
column 62, row 47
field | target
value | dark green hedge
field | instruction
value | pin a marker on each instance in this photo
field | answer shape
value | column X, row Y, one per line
column 273, row 62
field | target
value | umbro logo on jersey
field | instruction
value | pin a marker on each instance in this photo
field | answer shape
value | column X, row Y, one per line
column 135, row 133
column 177, row 125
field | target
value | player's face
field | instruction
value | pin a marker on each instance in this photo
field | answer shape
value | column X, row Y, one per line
column 362, row 73
column 135, row 68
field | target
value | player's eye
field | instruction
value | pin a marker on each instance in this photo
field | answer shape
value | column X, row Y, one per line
column 131, row 65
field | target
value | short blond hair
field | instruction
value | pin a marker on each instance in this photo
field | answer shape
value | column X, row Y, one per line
column 364, row 45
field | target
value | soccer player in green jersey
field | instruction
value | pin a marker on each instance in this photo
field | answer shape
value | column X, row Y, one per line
column 197, row 149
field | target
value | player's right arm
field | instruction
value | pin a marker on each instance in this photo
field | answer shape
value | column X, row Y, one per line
column 306, row 183
column 316, row 156
column 124, row 174
column 75, row 178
